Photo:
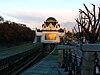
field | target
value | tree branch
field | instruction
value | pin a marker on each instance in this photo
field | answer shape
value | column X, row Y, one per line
column 87, row 9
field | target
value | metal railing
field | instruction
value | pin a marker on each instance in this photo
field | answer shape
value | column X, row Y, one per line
column 96, row 64
column 73, row 63
column 11, row 62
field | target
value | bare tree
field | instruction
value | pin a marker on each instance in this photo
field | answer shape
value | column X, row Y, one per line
column 89, row 22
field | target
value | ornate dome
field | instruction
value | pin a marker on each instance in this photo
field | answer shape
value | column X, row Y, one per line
column 51, row 19
column 51, row 23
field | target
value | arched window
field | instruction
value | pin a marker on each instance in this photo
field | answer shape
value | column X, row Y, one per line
column 44, row 26
column 57, row 26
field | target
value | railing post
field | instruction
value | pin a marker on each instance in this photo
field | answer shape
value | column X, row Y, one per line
column 75, row 65
column 80, row 67
column 96, row 65
column 66, row 62
column 70, row 63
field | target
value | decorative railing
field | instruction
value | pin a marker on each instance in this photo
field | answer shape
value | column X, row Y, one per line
column 86, row 64
column 72, row 63
column 96, row 64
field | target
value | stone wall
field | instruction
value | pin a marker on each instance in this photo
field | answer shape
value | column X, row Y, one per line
column 88, row 51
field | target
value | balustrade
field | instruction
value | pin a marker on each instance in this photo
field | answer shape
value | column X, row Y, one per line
column 81, row 65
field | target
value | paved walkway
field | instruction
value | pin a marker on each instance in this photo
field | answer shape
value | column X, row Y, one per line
column 47, row 66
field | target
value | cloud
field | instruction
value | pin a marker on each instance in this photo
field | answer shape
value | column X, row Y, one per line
column 35, row 19
column 68, row 25
column 31, row 19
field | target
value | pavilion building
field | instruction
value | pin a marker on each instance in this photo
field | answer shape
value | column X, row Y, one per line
column 50, row 32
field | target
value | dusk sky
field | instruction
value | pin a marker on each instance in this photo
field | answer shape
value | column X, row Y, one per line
column 34, row 12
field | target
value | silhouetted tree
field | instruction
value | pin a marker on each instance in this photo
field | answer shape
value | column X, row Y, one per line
column 69, row 36
column 14, row 33
column 1, row 19
column 89, row 23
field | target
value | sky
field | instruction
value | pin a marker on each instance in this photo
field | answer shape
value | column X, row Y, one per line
column 34, row 12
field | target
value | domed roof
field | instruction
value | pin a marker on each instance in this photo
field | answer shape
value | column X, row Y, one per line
column 51, row 19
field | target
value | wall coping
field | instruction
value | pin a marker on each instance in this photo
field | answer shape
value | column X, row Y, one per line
column 90, row 47
column 61, row 47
